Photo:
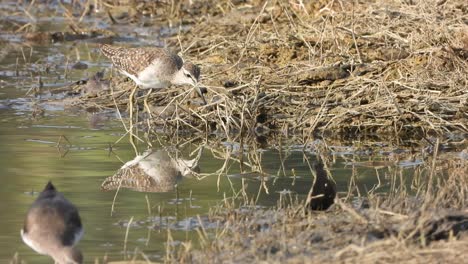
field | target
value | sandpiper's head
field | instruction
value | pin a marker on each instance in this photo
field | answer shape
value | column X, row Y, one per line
column 188, row 74
column 187, row 167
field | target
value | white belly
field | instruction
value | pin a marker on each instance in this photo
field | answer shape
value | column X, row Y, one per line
column 31, row 243
column 36, row 246
column 148, row 79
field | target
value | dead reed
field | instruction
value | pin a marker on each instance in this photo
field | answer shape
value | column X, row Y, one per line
column 326, row 68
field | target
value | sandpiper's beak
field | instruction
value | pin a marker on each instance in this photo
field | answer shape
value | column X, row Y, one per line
column 199, row 91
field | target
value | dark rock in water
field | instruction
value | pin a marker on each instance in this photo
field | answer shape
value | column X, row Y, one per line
column 80, row 66
column 324, row 190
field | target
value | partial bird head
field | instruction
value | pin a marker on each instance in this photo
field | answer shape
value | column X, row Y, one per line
column 187, row 167
column 49, row 186
column 188, row 74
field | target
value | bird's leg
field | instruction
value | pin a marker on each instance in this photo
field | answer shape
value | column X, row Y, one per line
column 145, row 102
column 130, row 105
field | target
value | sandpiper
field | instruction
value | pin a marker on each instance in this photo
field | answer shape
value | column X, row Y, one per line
column 53, row 227
column 153, row 171
column 152, row 67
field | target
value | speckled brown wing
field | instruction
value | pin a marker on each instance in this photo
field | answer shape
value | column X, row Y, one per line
column 135, row 60
column 136, row 179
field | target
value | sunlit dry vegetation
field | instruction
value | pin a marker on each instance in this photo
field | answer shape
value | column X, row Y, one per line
column 282, row 72
column 334, row 68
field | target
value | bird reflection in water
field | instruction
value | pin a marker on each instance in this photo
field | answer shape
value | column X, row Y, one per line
column 153, row 171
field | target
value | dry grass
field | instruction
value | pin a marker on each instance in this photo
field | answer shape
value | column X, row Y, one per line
column 327, row 68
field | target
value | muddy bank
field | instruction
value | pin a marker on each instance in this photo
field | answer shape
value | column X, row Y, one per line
column 318, row 69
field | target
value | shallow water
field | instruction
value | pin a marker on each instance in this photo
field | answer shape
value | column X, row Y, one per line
column 29, row 157
column 41, row 142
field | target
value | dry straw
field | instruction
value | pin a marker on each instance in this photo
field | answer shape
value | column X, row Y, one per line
column 338, row 68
